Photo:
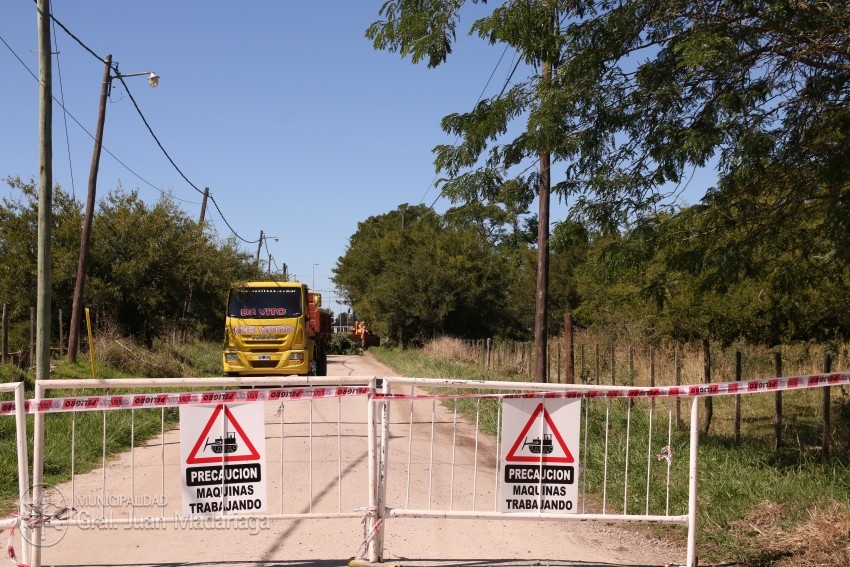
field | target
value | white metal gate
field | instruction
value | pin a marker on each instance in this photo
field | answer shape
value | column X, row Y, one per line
column 422, row 429
column 17, row 409
column 401, row 448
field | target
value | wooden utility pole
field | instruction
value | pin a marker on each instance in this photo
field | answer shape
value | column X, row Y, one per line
column 82, row 262
column 569, row 349
column 45, row 195
column 204, row 207
column 541, row 310
column 259, row 247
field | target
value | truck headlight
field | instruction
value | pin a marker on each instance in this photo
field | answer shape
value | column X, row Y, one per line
column 231, row 357
column 299, row 356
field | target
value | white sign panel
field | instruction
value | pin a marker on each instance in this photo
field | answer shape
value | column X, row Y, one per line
column 223, row 450
column 539, row 466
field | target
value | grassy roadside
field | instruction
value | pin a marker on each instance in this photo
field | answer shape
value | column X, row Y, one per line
column 115, row 359
column 757, row 507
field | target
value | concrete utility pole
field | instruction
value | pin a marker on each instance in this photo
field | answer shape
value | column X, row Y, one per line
column 82, row 263
column 45, row 221
column 45, row 193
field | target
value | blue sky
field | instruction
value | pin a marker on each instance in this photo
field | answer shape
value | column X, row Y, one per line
column 282, row 108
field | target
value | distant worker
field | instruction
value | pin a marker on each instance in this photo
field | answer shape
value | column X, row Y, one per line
column 364, row 330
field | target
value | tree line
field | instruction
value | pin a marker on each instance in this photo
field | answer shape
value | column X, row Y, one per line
column 614, row 108
column 152, row 271
column 679, row 276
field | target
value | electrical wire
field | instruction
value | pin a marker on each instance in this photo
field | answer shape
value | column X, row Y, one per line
column 64, row 114
column 480, row 96
column 147, row 125
column 90, row 135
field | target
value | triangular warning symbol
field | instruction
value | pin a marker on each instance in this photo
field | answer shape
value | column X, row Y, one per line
column 542, row 448
column 222, row 446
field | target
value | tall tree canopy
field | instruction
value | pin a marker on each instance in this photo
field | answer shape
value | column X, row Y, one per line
column 643, row 91
column 412, row 274
column 641, row 94
column 152, row 269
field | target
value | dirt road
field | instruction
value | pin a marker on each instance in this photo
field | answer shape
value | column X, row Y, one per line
column 321, row 467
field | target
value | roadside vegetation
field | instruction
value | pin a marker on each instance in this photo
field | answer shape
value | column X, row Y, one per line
column 116, row 357
column 618, row 109
column 758, row 506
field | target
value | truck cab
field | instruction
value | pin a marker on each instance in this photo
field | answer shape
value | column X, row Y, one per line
column 275, row 328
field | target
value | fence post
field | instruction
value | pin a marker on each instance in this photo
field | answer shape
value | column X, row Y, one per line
column 597, row 363
column 651, row 367
column 706, row 370
column 677, row 355
column 613, row 366
column 4, row 336
column 827, row 428
column 569, row 371
column 691, row 559
column 777, row 364
column 61, row 339
column 739, row 367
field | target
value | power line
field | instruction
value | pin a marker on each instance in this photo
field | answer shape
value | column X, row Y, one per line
column 64, row 114
column 147, row 125
column 90, row 135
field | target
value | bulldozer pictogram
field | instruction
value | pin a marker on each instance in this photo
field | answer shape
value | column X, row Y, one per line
column 537, row 446
column 223, row 444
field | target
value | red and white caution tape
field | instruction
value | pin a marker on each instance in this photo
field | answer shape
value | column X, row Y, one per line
column 369, row 533
column 694, row 390
column 128, row 401
column 35, row 520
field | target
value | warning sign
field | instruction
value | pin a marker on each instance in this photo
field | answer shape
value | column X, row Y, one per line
column 222, row 451
column 540, row 441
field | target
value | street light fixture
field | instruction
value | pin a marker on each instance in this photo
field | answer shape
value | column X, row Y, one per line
column 153, row 78
column 82, row 263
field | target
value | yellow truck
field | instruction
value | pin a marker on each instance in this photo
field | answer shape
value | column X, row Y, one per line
column 275, row 328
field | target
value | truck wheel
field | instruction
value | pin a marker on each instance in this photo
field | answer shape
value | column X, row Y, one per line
column 322, row 362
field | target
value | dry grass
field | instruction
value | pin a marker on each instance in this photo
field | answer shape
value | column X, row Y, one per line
column 449, row 348
column 805, row 523
column 822, row 541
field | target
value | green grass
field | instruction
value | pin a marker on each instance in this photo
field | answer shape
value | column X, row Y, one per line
column 114, row 359
column 757, row 506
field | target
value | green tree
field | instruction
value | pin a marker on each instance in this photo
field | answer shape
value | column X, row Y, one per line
column 426, row 31
column 641, row 94
column 147, row 261
column 18, row 270
column 412, row 275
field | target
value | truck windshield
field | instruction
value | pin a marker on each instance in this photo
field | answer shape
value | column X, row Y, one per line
column 265, row 302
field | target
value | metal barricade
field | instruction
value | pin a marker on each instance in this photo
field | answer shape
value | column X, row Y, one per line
column 301, row 418
column 17, row 408
column 622, row 467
